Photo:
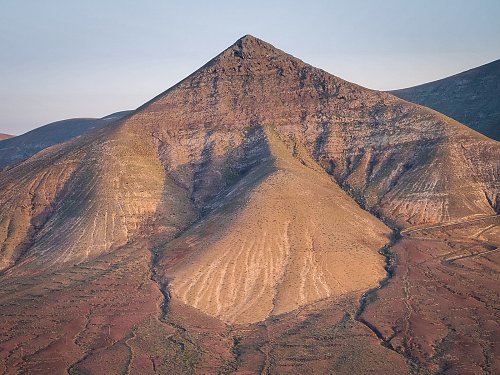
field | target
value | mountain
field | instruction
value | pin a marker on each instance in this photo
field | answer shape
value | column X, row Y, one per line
column 260, row 216
column 471, row 97
column 16, row 149
column 5, row 136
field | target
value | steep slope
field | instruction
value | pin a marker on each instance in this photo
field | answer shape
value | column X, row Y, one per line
column 22, row 147
column 471, row 97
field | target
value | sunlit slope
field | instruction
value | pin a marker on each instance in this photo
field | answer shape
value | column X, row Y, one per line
column 27, row 197
column 80, row 200
column 293, row 239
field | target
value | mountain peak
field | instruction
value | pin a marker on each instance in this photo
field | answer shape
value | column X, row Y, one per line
column 240, row 56
column 223, row 210
column 248, row 37
column 249, row 46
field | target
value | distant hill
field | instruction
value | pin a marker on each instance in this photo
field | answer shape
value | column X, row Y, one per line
column 471, row 97
column 16, row 149
column 5, row 136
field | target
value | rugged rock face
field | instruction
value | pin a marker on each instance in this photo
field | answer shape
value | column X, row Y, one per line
column 19, row 148
column 246, row 184
column 471, row 97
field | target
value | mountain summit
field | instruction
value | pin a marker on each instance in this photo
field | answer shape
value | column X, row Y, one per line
column 253, row 193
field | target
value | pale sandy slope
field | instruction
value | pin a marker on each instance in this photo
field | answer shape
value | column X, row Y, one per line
column 294, row 239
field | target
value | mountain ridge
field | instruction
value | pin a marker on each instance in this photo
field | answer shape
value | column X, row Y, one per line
column 470, row 97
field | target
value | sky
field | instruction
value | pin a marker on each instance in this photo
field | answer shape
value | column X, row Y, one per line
column 89, row 58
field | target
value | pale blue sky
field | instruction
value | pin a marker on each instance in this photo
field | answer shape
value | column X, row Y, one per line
column 89, row 58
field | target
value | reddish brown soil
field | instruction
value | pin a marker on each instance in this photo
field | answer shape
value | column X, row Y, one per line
column 437, row 314
column 441, row 309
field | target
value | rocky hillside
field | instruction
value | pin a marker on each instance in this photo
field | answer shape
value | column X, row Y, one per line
column 471, row 97
column 278, row 240
column 388, row 153
column 16, row 149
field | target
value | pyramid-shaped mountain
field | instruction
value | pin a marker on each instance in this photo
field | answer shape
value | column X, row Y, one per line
column 258, row 185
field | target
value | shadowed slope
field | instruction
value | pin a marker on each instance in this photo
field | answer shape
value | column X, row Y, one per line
column 471, row 97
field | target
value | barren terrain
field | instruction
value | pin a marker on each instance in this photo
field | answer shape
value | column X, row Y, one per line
column 261, row 216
